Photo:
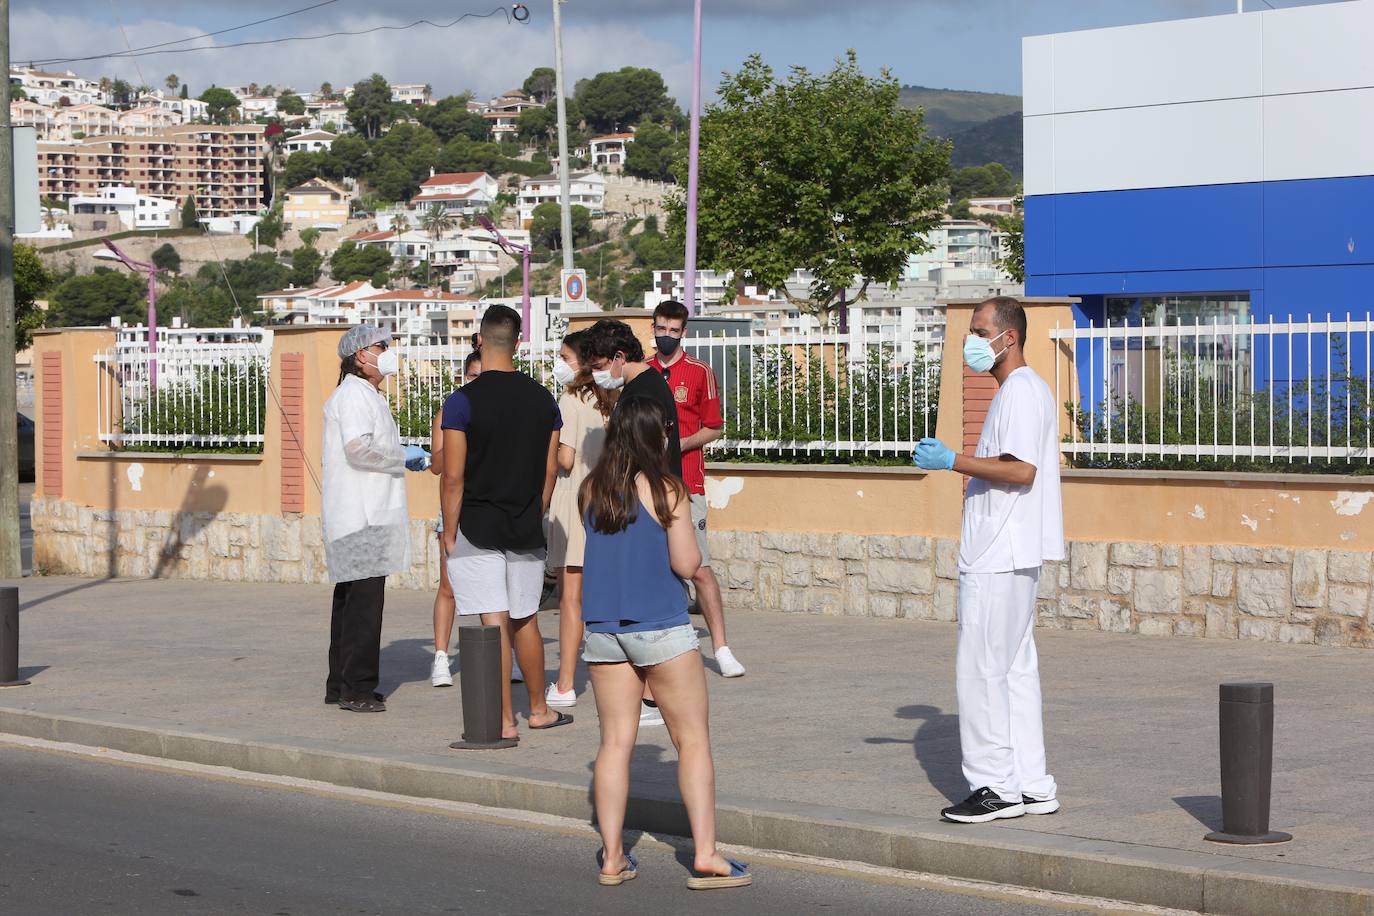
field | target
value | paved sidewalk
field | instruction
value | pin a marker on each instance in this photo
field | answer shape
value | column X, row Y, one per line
column 854, row 714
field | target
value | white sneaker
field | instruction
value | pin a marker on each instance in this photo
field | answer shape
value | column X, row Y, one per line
column 558, row 698
column 649, row 715
column 439, row 675
column 728, row 664
column 516, row 675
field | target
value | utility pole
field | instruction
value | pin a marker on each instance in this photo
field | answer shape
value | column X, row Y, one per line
column 689, row 280
column 10, row 565
column 565, row 202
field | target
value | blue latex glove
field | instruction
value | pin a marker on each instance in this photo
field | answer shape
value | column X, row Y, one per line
column 417, row 459
column 933, row 455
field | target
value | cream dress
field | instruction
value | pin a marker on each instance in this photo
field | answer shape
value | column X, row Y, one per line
column 584, row 430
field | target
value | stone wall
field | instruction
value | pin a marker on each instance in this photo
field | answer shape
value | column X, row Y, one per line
column 1216, row 591
column 1222, row 592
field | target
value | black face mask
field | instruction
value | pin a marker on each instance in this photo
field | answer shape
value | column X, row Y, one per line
column 667, row 345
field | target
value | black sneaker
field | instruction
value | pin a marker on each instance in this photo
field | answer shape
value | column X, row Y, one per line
column 1040, row 805
column 333, row 699
column 362, row 705
column 983, row 805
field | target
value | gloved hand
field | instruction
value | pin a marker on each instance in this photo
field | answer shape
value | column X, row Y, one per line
column 417, row 459
column 933, row 455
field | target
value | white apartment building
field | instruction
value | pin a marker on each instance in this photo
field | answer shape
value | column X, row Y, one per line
column 50, row 88
column 503, row 113
column 257, row 106
column 188, row 110
column 74, row 122
column 413, row 313
column 961, row 250
column 412, row 94
column 134, row 210
column 609, row 151
column 460, row 193
column 312, row 141
column 328, row 114
column 586, row 189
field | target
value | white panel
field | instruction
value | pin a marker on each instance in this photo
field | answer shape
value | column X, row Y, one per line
column 1188, row 60
column 1160, row 147
column 1319, row 135
column 1037, row 74
column 1314, row 48
column 1038, row 157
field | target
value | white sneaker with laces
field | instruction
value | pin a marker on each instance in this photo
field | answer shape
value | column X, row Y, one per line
column 559, row 699
column 439, row 674
column 516, row 675
column 649, row 715
column 728, row 664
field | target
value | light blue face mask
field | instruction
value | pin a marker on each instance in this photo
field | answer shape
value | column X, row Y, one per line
column 978, row 352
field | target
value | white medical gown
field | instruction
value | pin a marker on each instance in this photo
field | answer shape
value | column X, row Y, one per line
column 363, row 505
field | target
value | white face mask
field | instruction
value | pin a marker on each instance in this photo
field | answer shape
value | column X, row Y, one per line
column 604, row 379
column 388, row 363
column 563, row 374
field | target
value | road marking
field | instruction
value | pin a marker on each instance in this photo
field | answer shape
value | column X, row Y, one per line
column 548, row 823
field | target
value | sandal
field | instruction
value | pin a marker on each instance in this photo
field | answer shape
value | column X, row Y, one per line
column 562, row 718
column 362, row 705
column 628, row 873
column 739, row 877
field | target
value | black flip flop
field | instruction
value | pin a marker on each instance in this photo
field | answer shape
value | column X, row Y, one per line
column 562, row 719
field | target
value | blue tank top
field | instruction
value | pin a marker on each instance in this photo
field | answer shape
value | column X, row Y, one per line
column 628, row 583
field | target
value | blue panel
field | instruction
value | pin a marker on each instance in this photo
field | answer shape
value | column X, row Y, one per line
column 1319, row 221
column 1039, row 235
column 1300, row 291
column 1206, row 227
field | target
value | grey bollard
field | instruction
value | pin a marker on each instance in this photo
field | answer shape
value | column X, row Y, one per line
column 479, row 677
column 9, row 637
column 1247, row 765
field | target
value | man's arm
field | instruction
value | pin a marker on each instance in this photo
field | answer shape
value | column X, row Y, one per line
column 1003, row 469
column 702, row 437
column 550, row 470
column 455, row 453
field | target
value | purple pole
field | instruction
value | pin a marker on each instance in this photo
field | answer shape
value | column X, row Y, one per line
column 152, row 331
column 693, row 155
column 525, row 296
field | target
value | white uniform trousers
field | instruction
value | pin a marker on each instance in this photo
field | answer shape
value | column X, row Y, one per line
column 997, row 674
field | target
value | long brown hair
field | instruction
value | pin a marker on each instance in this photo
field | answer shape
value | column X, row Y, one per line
column 582, row 384
column 634, row 446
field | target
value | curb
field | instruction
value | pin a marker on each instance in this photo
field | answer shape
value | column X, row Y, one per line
column 1146, row 875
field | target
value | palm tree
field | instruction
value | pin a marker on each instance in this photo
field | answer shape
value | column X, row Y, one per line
column 400, row 223
column 252, row 88
column 436, row 222
column 172, row 82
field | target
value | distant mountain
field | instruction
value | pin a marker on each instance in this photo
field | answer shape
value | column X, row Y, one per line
column 985, row 126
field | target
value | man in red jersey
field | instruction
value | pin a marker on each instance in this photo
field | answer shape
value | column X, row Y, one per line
column 699, row 421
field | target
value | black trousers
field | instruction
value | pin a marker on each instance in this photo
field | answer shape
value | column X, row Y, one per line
column 355, row 639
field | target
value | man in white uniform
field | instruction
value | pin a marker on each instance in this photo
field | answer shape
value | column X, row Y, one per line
column 1013, row 522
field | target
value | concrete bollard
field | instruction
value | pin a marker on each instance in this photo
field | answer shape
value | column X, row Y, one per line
column 479, row 678
column 1247, row 765
column 9, row 637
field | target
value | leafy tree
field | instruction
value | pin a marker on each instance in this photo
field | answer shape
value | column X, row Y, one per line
column 613, row 101
column 247, row 278
column 351, row 262
column 31, row 280
column 326, row 90
column 305, row 266
column 349, row 156
column 651, row 154
column 189, row 218
column 269, row 229
column 540, row 84
column 17, row 94
column 370, row 106
column 121, row 90
column 167, row 258
column 185, row 91
column 290, row 104
column 827, row 173
column 990, row 180
column 309, row 236
column 198, row 303
column 220, row 103
column 537, row 124
column 303, row 166
column 393, row 181
column 546, row 231
column 1014, row 225
column 449, row 118
column 88, row 300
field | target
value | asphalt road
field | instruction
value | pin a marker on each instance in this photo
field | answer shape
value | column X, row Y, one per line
column 79, row 835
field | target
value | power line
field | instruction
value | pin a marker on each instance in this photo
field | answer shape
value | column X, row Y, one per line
column 500, row 10
column 129, row 51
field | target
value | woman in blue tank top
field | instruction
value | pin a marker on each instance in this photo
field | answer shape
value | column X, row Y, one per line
column 640, row 548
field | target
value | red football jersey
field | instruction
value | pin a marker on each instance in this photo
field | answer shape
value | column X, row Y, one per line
column 698, row 404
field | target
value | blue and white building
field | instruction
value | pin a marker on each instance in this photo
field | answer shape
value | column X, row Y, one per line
column 1218, row 167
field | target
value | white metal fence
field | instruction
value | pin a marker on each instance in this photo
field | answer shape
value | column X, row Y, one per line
column 783, row 395
column 207, row 395
column 1245, row 395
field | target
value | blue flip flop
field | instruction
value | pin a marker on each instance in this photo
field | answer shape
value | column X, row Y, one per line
column 628, row 873
column 739, row 877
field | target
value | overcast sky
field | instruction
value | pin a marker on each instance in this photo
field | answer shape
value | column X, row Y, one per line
column 959, row 44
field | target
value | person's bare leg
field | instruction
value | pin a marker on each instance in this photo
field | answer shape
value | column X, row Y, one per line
column 711, row 604
column 529, row 650
column 617, row 688
column 569, row 625
column 443, row 610
column 680, row 689
column 502, row 619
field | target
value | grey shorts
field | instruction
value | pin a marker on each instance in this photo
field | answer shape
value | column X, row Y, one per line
column 643, row 649
column 699, row 526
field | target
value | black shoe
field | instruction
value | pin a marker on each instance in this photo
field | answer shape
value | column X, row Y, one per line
column 1040, row 805
column 362, row 705
column 333, row 699
column 983, row 805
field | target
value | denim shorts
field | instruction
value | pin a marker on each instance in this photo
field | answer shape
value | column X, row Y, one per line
column 642, row 649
